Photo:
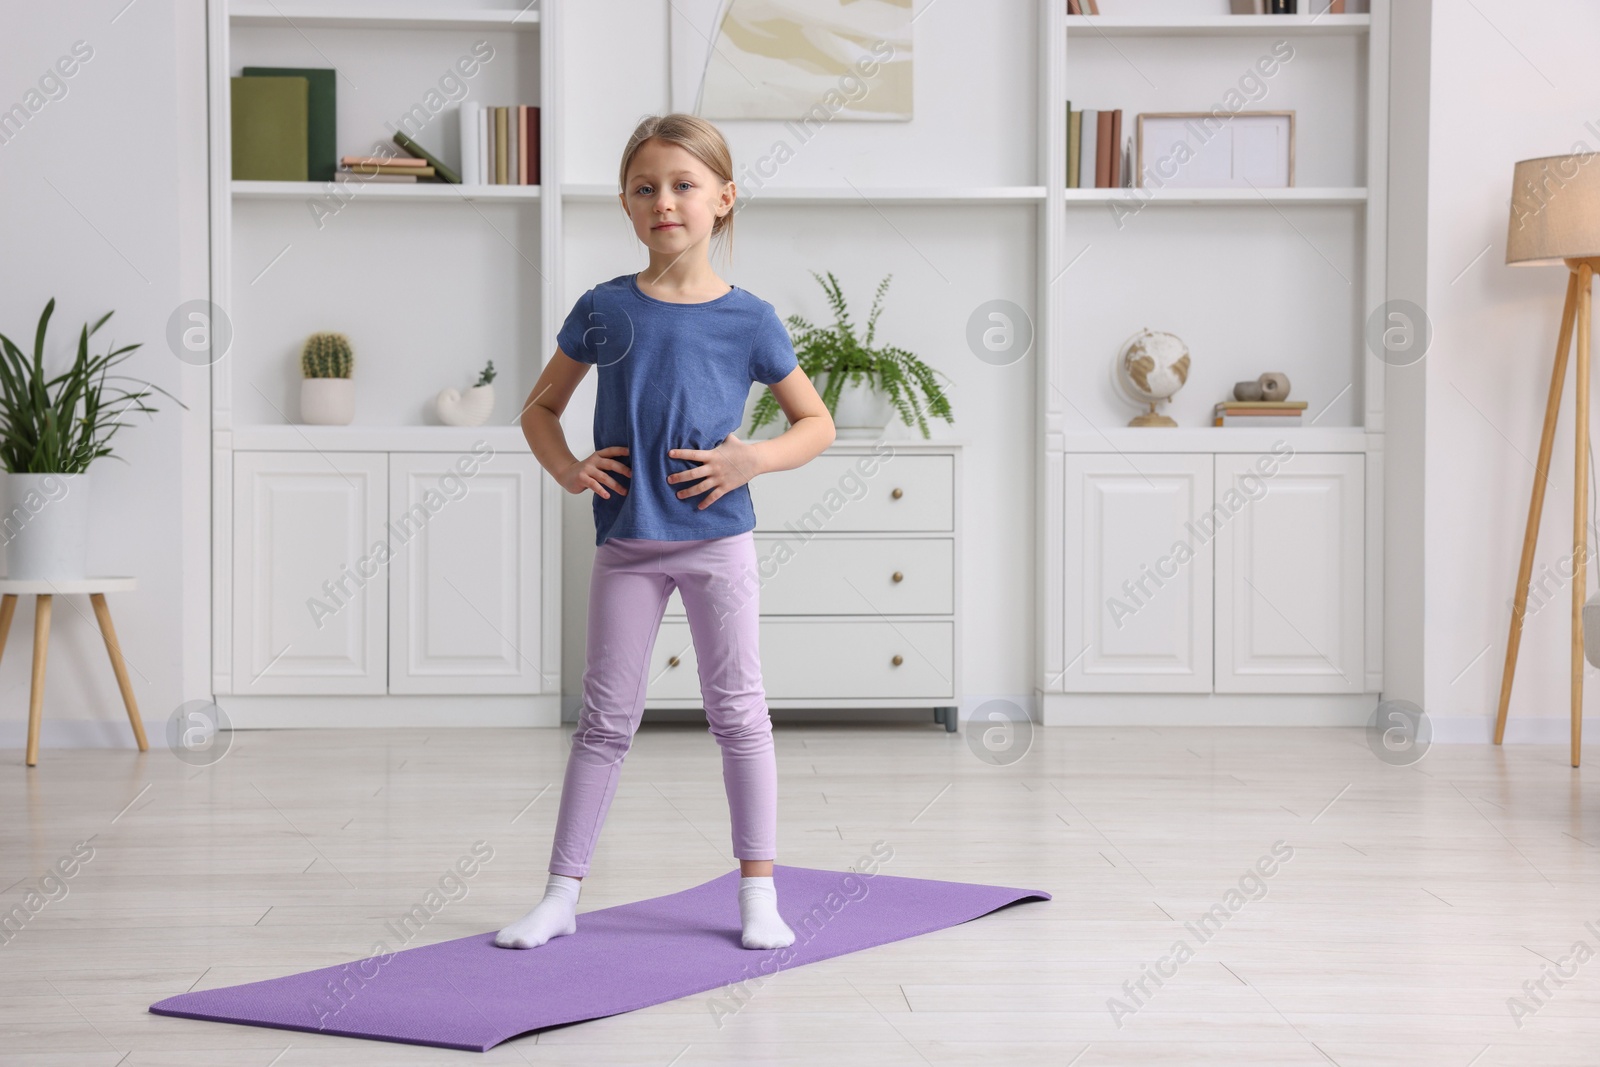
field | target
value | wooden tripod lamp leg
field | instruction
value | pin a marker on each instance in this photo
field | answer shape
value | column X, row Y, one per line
column 1580, row 506
column 1530, row 537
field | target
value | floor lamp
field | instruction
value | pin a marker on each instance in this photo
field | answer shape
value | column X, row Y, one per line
column 1555, row 219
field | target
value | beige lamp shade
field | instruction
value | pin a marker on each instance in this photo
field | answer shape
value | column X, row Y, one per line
column 1555, row 209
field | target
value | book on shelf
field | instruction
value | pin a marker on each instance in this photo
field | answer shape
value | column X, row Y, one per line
column 1264, row 405
column 1258, row 413
column 1281, row 7
column 381, row 161
column 270, row 118
column 471, row 172
column 1074, row 144
column 1088, row 143
column 500, row 144
column 444, row 173
column 1257, row 422
column 1098, row 154
column 1083, row 7
column 388, row 169
column 359, row 176
column 321, row 115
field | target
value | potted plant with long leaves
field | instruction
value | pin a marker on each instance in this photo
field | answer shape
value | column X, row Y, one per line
column 863, row 386
column 52, row 427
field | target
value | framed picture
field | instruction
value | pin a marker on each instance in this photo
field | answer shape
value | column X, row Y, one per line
column 1202, row 150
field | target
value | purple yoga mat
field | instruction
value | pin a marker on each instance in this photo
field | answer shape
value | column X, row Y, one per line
column 471, row 994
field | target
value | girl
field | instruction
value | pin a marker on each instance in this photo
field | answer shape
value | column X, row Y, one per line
column 678, row 349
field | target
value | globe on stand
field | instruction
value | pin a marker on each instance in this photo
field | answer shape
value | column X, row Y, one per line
column 1151, row 367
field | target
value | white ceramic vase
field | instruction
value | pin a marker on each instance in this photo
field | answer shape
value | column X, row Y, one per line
column 470, row 408
column 862, row 411
column 45, row 525
column 327, row 401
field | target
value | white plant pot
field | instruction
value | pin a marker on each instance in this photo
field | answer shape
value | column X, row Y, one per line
column 862, row 410
column 470, row 408
column 327, row 401
column 45, row 525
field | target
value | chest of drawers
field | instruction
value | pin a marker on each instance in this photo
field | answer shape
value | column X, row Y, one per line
column 860, row 557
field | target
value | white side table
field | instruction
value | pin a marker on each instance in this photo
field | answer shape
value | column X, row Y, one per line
column 43, row 590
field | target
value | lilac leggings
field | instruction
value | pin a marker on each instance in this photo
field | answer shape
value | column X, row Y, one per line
column 628, row 592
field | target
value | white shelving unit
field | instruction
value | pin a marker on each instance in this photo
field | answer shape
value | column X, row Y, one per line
column 430, row 281
column 1289, row 289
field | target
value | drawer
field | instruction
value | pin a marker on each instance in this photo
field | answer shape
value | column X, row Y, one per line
column 833, row 660
column 842, row 494
column 852, row 576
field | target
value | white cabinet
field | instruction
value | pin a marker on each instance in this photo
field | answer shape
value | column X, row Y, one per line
column 305, row 620
column 859, row 557
column 1138, row 614
column 1290, row 576
column 377, row 572
column 1214, row 573
column 464, row 596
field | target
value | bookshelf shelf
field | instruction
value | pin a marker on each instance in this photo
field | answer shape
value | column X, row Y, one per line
column 435, row 192
column 865, row 195
column 1220, row 26
column 383, row 16
column 376, row 438
column 1135, row 440
column 1274, row 197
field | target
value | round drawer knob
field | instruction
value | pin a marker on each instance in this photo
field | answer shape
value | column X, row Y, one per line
column 898, row 659
column 897, row 493
column 899, row 577
column 672, row 661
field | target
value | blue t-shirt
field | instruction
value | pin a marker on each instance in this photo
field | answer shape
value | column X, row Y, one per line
column 672, row 376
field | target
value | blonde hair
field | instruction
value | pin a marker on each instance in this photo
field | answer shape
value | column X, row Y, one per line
column 697, row 137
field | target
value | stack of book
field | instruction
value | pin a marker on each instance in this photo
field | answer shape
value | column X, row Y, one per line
column 1096, row 150
column 1083, row 7
column 1287, row 7
column 383, row 169
column 283, row 124
column 1261, row 414
column 499, row 145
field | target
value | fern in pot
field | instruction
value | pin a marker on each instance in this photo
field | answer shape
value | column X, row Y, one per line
column 51, row 428
column 864, row 386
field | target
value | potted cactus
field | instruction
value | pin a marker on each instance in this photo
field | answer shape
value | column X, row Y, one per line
column 327, row 393
column 470, row 408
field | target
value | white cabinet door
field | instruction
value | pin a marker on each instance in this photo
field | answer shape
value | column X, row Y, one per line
column 1290, row 574
column 464, row 580
column 1138, row 606
column 309, row 595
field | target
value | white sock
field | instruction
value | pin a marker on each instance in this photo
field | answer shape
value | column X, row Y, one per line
column 758, row 914
column 553, row 916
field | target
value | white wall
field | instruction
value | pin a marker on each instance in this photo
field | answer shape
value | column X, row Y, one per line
column 103, row 206
column 1510, row 81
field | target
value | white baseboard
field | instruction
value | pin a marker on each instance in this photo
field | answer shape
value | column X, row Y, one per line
column 79, row 733
column 1206, row 709
column 1526, row 730
column 389, row 710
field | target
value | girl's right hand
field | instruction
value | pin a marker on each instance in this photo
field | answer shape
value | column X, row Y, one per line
column 591, row 473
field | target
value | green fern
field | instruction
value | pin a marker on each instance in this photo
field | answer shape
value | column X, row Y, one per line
column 910, row 384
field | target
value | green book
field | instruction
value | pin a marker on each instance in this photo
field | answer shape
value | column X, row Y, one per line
column 416, row 151
column 269, row 129
column 1074, row 146
column 322, row 132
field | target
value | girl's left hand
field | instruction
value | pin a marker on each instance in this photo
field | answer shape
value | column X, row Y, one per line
column 724, row 468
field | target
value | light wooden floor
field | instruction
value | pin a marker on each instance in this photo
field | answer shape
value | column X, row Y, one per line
column 1417, row 901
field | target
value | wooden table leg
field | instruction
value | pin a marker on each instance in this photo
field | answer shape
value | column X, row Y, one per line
column 119, row 666
column 8, row 608
column 41, row 645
